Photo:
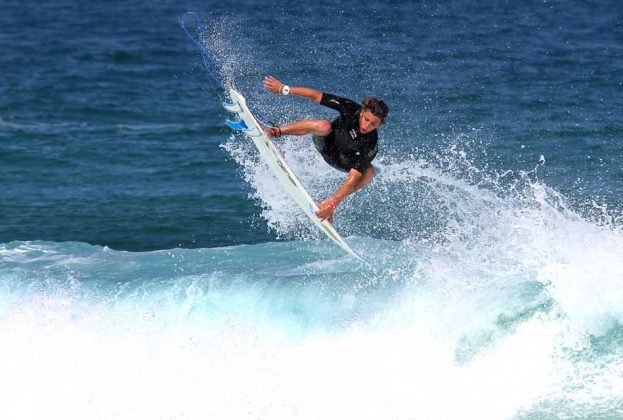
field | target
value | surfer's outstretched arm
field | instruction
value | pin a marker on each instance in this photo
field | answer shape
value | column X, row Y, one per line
column 275, row 86
column 354, row 182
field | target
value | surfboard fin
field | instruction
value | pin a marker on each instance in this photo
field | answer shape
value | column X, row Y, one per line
column 237, row 125
column 235, row 108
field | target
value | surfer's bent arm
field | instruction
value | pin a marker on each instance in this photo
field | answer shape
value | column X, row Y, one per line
column 276, row 86
column 327, row 207
column 348, row 187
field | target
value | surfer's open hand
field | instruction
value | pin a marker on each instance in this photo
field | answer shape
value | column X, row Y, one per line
column 326, row 210
column 272, row 84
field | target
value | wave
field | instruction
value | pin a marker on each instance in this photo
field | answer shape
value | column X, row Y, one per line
column 488, row 297
column 505, row 297
column 513, row 324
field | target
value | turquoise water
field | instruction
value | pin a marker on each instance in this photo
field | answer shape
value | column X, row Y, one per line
column 150, row 267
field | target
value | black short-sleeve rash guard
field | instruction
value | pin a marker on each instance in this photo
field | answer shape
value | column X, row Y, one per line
column 345, row 147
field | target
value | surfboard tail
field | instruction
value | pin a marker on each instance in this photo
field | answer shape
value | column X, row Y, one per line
column 234, row 108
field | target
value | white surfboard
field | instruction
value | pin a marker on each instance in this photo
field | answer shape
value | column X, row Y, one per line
column 249, row 125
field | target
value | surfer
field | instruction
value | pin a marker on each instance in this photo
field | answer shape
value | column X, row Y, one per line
column 349, row 143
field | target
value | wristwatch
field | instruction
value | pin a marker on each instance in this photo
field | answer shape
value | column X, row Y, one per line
column 285, row 89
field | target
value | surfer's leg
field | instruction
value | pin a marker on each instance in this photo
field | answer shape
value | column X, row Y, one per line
column 365, row 178
column 302, row 127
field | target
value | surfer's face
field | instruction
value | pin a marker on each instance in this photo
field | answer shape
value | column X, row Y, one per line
column 368, row 122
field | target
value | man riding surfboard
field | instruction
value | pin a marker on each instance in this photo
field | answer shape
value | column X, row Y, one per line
column 349, row 143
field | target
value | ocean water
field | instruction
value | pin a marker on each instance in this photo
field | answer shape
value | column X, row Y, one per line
column 150, row 267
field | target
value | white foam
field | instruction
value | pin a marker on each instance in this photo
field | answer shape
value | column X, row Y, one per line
column 66, row 356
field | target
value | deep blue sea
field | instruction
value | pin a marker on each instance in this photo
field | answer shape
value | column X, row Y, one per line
column 151, row 266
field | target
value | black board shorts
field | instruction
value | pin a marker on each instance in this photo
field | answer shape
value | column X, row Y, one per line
column 329, row 153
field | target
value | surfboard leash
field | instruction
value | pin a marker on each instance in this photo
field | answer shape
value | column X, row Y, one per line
column 211, row 65
column 208, row 60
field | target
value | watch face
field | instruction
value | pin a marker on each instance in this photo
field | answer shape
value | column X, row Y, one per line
column 286, row 90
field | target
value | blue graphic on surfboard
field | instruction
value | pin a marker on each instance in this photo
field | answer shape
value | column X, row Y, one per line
column 249, row 125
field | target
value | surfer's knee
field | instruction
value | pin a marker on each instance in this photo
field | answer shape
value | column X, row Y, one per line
column 322, row 127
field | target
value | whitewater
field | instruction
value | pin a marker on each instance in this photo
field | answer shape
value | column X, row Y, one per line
column 514, row 313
